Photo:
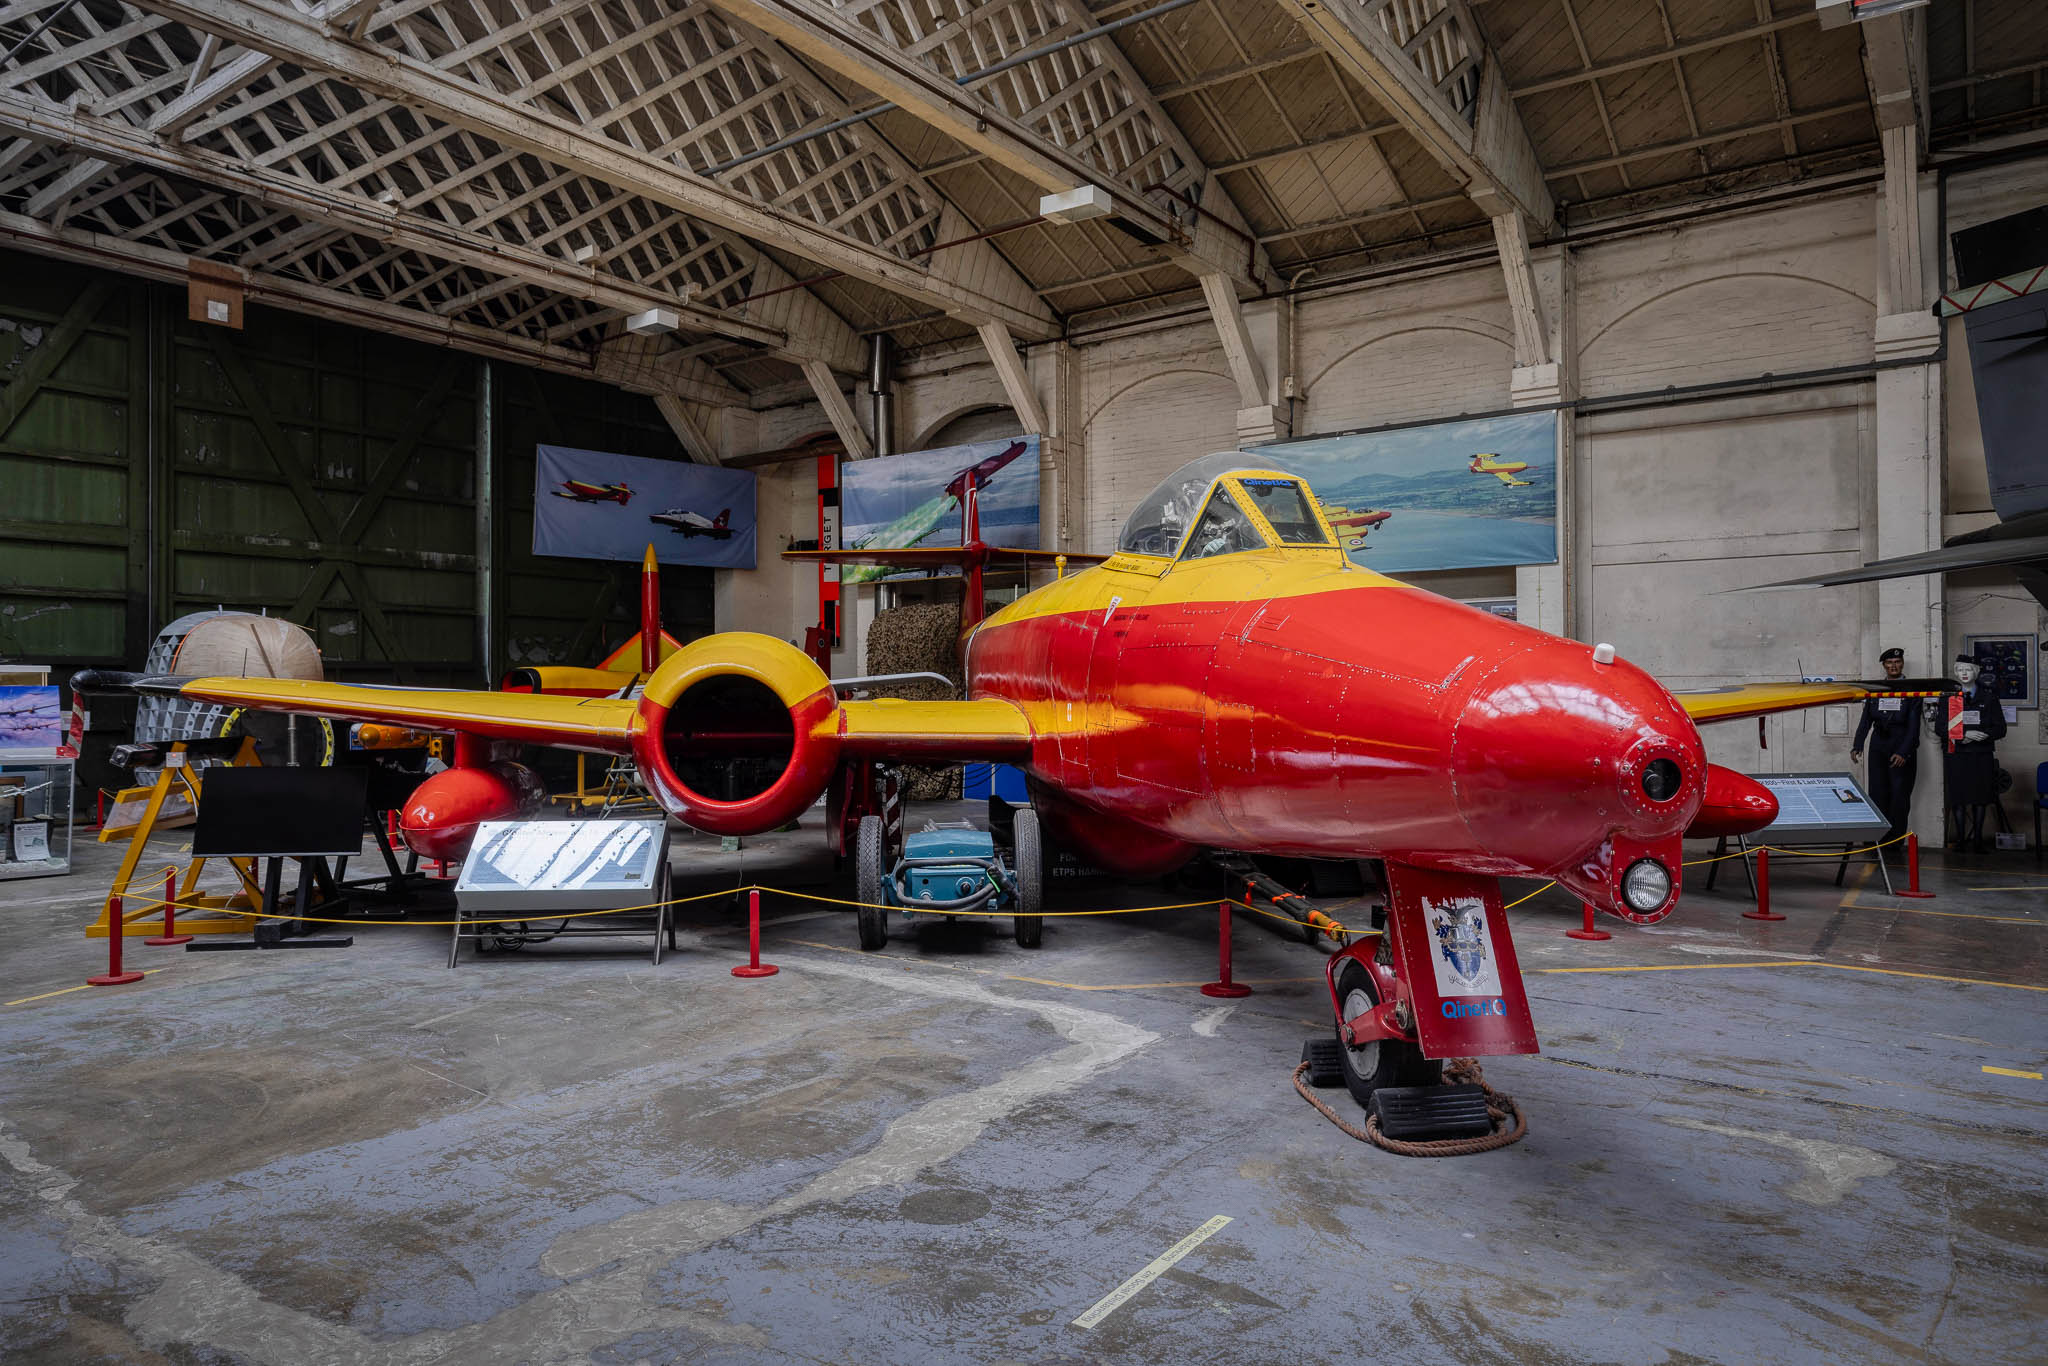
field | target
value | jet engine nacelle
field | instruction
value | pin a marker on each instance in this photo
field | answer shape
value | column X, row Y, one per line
column 440, row 818
column 738, row 733
column 1735, row 804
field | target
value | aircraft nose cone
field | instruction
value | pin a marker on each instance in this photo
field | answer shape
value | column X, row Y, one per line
column 1555, row 753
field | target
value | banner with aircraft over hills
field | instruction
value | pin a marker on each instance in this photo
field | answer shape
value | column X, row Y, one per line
column 1450, row 495
column 895, row 502
column 591, row 505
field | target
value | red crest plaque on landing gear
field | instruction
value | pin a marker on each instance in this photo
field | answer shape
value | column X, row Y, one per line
column 1451, row 944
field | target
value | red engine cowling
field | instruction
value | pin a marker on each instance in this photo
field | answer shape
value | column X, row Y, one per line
column 1735, row 804
column 441, row 816
column 738, row 733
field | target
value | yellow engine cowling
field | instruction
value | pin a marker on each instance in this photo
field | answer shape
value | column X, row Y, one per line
column 738, row 733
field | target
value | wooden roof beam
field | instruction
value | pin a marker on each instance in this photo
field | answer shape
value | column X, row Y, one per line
column 113, row 141
column 308, row 41
column 1491, row 155
column 835, row 41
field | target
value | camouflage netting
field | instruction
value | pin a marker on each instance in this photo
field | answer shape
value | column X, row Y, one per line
column 918, row 638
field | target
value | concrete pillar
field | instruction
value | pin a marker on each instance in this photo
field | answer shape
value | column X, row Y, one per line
column 1543, row 596
column 1909, row 446
column 1063, row 482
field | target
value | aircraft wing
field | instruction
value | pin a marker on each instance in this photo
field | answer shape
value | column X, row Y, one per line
column 984, row 728
column 1739, row 700
column 599, row 724
column 879, row 728
column 1947, row 559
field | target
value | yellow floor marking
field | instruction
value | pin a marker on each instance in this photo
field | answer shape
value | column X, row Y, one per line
column 1932, row 976
column 1807, row 963
column 65, row 991
column 1118, row 1297
column 2023, row 887
column 2013, row 1072
column 1946, row 915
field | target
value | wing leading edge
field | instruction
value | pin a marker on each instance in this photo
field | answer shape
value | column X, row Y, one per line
column 1739, row 700
column 599, row 724
column 886, row 728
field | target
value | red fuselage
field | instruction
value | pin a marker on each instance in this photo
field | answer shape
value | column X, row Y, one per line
column 1291, row 704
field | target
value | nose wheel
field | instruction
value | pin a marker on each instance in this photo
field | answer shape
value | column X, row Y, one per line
column 1376, row 1062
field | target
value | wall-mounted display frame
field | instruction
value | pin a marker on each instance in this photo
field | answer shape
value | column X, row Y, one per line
column 2008, row 661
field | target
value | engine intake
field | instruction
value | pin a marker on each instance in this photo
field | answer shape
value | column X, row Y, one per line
column 738, row 733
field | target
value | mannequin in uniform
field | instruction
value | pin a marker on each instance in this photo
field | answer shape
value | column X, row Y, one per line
column 1892, row 726
column 1973, row 764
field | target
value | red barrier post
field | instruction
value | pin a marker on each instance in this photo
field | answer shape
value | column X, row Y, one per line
column 1586, row 931
column 1223, row 986
column 754, row 967
column 170, row 934
column 116, row 931
column 1763, row 909
column 1912, row 870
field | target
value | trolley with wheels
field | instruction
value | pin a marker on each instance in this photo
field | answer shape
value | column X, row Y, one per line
column 950, row 873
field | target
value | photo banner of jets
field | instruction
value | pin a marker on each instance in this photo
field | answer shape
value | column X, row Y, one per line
column 894, row 502
column 1451, row 495
column 588, row 505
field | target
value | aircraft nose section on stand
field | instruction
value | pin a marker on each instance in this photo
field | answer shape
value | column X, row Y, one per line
column 1578, row 766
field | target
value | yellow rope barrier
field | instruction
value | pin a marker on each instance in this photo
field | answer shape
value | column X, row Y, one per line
column 130, row 916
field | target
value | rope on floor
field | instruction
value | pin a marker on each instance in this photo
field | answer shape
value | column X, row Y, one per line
column 1459, row 1071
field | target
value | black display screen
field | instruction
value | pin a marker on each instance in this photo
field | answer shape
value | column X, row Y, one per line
column 279, row 812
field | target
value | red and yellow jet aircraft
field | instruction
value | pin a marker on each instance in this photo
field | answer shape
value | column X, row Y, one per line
column 584, row 492
column 1228, row 679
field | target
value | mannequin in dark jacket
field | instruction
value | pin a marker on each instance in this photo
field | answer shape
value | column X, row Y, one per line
column 1892, row 726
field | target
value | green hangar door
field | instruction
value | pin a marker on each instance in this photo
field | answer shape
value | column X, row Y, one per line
column 157, row 466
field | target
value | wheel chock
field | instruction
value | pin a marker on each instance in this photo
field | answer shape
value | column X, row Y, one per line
column 1410, row 1113
column 1324, row 1068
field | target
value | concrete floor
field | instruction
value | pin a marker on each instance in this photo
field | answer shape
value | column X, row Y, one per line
column 1769, row 1142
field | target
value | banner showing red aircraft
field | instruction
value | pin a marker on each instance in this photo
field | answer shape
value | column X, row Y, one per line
column 594, row 493
column 695, row 523
column 1227, row 680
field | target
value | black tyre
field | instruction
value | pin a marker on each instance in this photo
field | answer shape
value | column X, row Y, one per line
column 1382, row 1062
column 1028, row 854
column 871, row 915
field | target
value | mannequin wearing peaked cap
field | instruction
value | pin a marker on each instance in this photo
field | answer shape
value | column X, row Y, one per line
column 1892, row 726
column 1972, row 768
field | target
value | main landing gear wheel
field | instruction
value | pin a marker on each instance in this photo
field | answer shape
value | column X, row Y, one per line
column 1378, row 1062
column 1030, row 861
column 871, row 915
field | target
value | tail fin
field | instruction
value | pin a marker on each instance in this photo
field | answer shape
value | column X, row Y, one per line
column 722, row 518
column 650, row 612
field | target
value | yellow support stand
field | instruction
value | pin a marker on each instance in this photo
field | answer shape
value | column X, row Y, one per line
column 177, row 777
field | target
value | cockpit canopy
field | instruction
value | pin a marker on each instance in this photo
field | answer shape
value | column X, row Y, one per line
column 1160, row 524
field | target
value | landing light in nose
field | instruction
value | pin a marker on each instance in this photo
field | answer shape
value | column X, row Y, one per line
column 1646, row 886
